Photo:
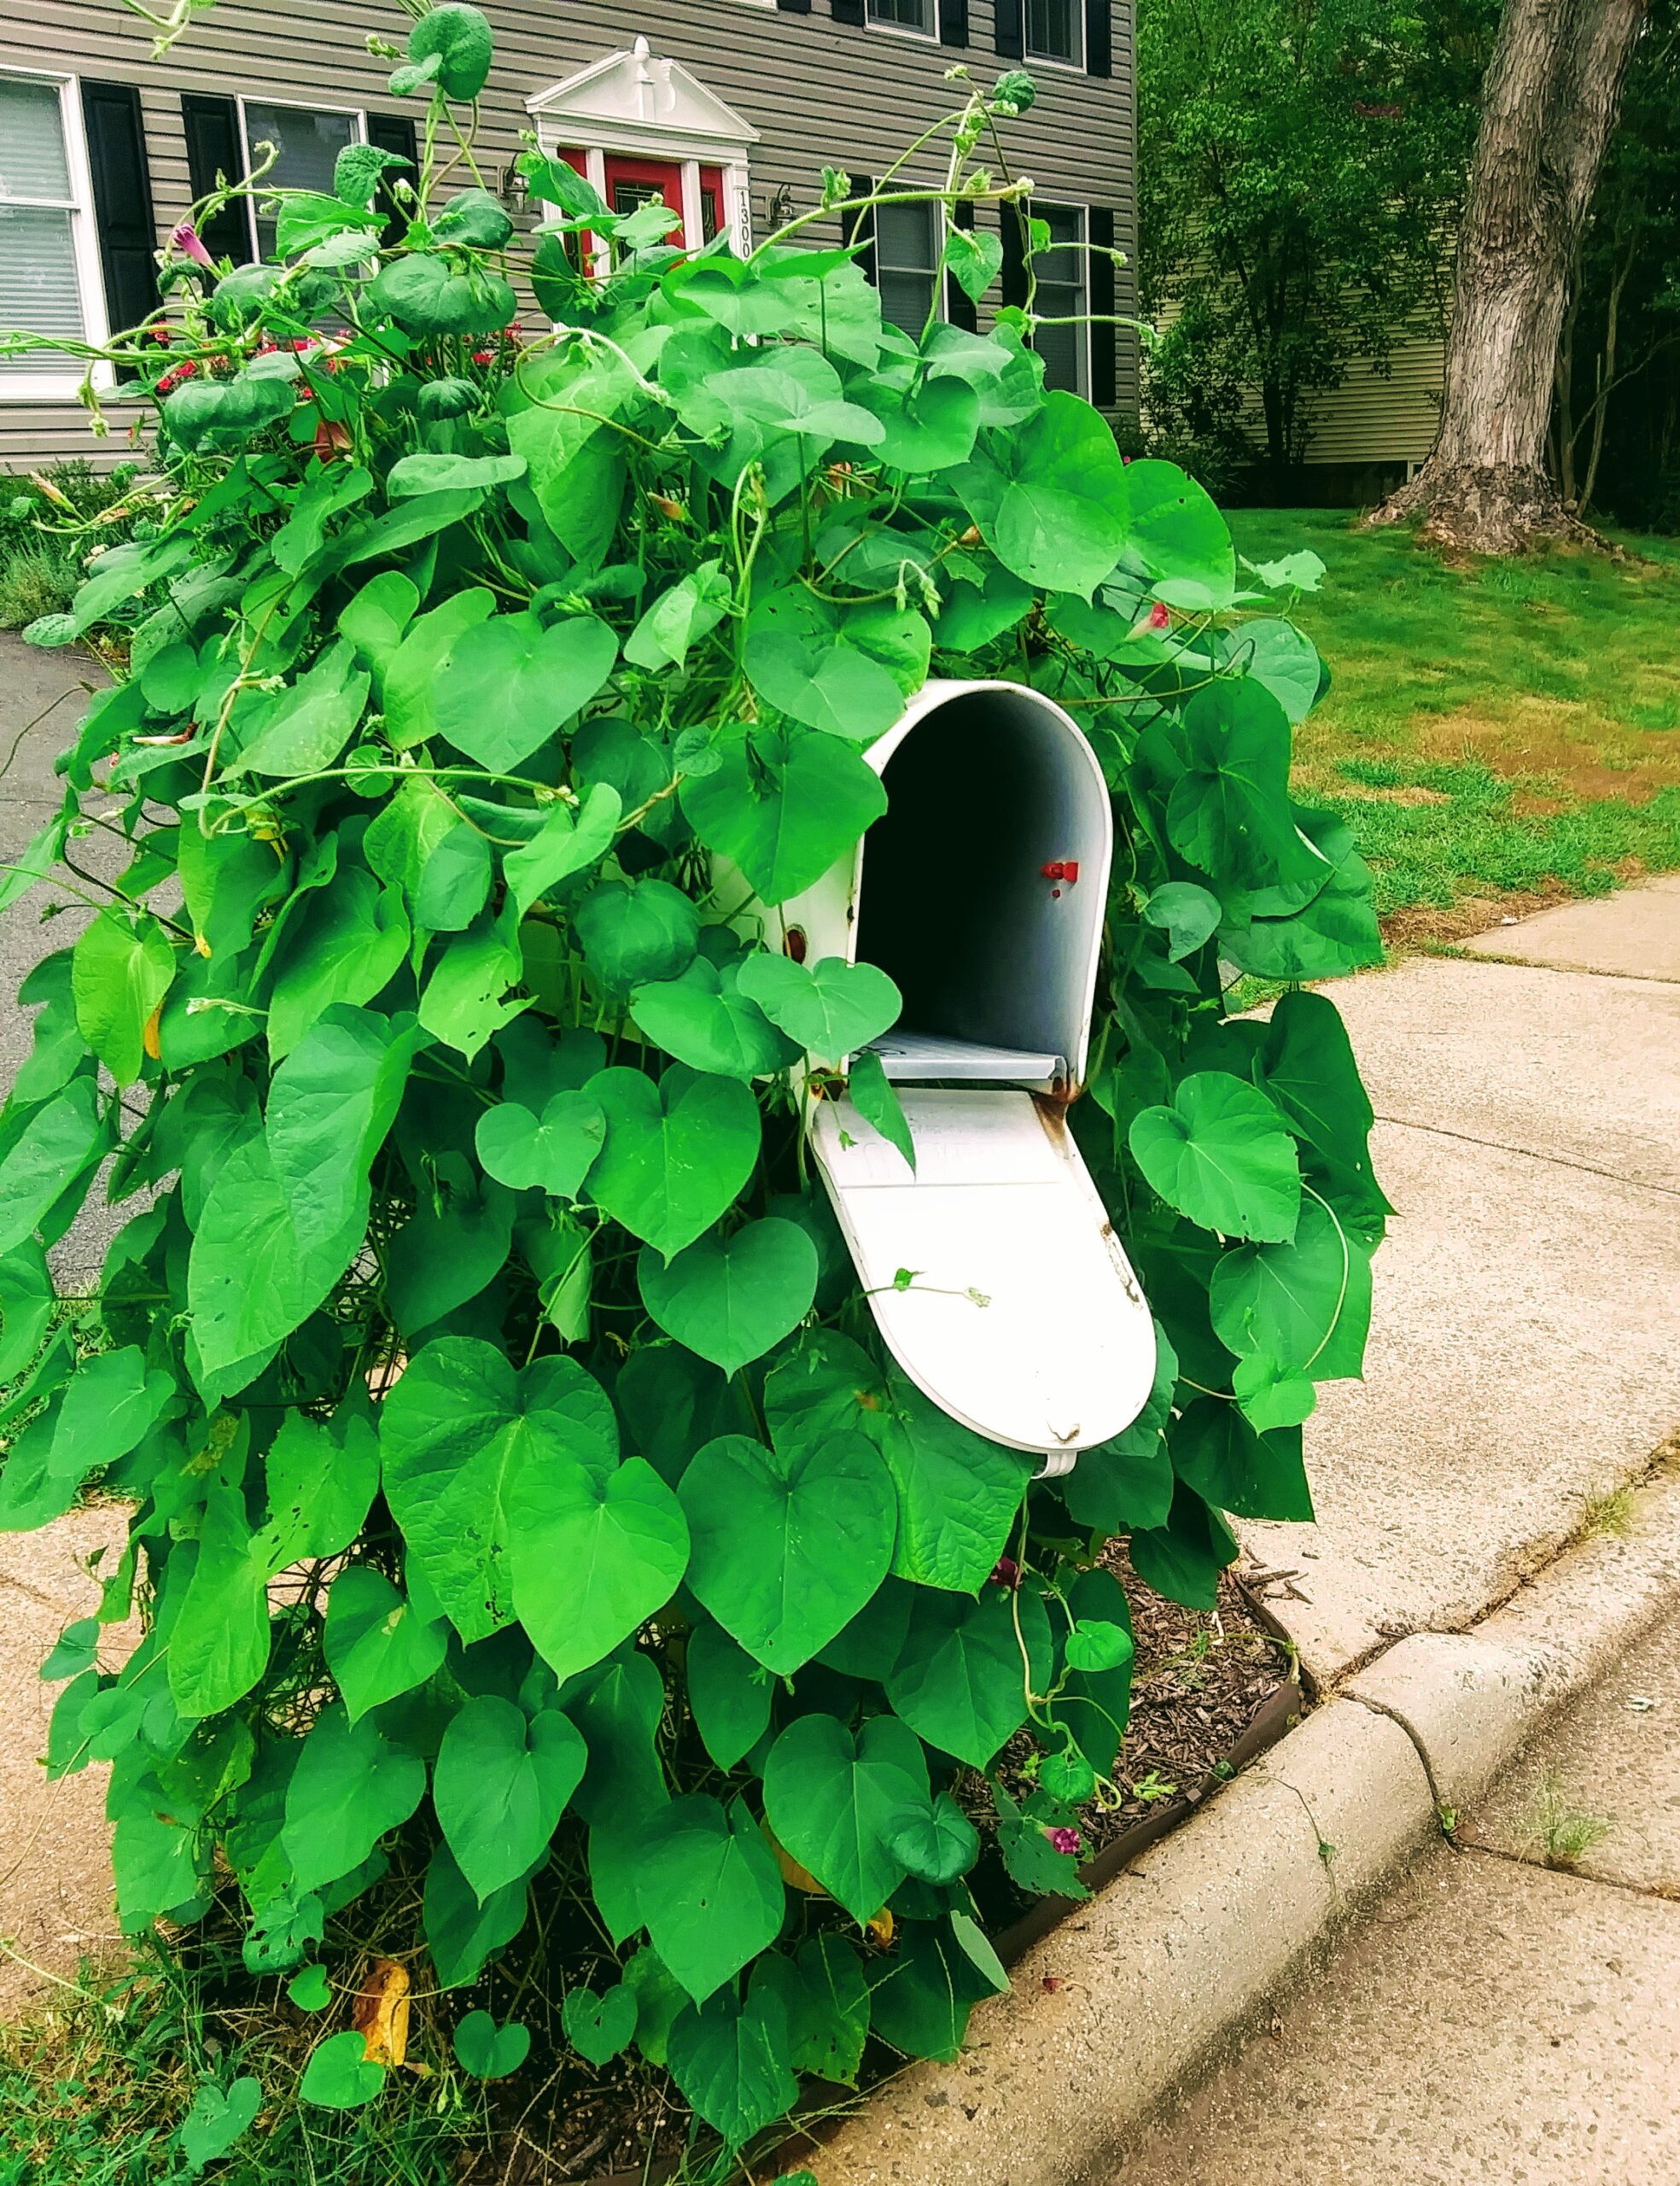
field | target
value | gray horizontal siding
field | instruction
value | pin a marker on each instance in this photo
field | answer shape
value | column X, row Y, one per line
column 819, row 92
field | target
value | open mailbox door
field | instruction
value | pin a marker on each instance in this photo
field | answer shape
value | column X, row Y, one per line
column 992, row 1268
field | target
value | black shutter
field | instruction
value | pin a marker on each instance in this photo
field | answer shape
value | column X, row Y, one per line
column 953, row 22
column 795, row 7
column 122, row 201
column 1099, row 39
column 960, row 307
column 213, row 147
column 846, row 11
column 1014, row 273
column 1007, row 35
column 1099, row 227
column 859, row 227
column 394, row 132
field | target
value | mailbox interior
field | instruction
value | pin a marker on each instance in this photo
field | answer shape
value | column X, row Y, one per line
column 996, row 962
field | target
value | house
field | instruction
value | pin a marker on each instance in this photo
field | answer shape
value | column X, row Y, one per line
column 727, row 109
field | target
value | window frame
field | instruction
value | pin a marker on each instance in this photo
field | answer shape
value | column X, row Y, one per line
column 1040, row 209
column 62, row 386
column 930, row 35
column 358, row 114
column 935, row 274
column 1076, row 66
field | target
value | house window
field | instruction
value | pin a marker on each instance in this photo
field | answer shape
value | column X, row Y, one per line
column 906, row 263
column 916, row 15
column 307, row 141
column 48, row 263
column 1062, row 293
column 1054, row 32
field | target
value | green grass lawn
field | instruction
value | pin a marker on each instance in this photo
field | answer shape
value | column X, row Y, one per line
column 1498, row 730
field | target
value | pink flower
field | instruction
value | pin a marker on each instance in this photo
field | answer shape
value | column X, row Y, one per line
column 1006, row 1573
column 186, row 238
column 1160, row 615
column 1064, row 1840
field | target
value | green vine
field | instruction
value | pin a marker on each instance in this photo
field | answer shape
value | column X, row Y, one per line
column 521, row 1498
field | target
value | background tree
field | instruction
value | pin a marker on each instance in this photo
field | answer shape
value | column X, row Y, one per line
column 1550, row 103
column 1299, row 165
column 1616, row 420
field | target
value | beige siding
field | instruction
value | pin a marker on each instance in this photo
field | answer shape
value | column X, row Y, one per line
column 819, row 91
column 1372, row 419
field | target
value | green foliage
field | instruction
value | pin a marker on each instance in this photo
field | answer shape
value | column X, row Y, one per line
column 1298, row 167
column 522, row 1497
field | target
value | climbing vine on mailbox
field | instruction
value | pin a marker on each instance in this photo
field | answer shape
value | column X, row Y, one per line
column 682, row 872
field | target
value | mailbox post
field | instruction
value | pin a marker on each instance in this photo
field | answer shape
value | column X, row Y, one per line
column 983, row 892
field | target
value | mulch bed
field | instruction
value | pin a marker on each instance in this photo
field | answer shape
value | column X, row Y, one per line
column 1209, row 1691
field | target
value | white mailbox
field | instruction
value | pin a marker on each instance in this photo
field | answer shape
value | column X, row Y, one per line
column 983, row 892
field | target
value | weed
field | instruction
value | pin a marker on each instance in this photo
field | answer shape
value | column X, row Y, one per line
column 1609, row 1516
column 1563, row 1831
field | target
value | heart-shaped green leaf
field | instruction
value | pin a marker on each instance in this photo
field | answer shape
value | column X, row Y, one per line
column 338, row 2076
column 457, row 1427
column 564, row 844
column 633, row 931
column 1221, row 1154
column 834, row 1801
column 509, row 684
column 500, row 1785
column 848, row 673
column 709, row 1890
column 1305, row 1303
column 350, row 1786
column 705, row 1019
column 309, row 1989
column 490, row 2052
column 729, row 1694
column 788, row 1546
column 960, row 1680
column 732, row 1299
column 218, row 2119
column 599, row 2027
column 1271, row 1395
column 831, row 1008
column 596, row 1551
column 731, row 2060
column 553, row 1152
column 376, row 1645
column 783, row 808
column 676, row 1154
column 935, row 1840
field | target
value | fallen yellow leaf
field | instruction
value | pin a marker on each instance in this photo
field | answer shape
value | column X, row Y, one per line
column 380, row 2012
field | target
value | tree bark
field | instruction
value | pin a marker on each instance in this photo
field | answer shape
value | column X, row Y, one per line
column 1550, row 103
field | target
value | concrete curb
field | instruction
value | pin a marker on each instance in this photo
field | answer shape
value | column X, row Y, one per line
column 1130, row 1997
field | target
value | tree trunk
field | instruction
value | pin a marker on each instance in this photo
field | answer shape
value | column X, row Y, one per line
column 1550, row 102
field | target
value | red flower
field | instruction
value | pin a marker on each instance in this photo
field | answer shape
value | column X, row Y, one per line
column 1006, row 1572
column 1160, row 615
column 484, row 356
column 1064, row 1840
column 163, row 335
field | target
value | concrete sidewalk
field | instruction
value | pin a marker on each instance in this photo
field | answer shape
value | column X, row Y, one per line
column 1525, row 1352
column 1499, row 2019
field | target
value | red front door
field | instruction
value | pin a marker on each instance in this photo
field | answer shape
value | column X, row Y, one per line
column 631, row 183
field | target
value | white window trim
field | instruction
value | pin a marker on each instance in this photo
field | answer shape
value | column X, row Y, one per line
column 60, row 386
column 1083, row 248
column 356, row 113
column 633, row 131
column 905, row 30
